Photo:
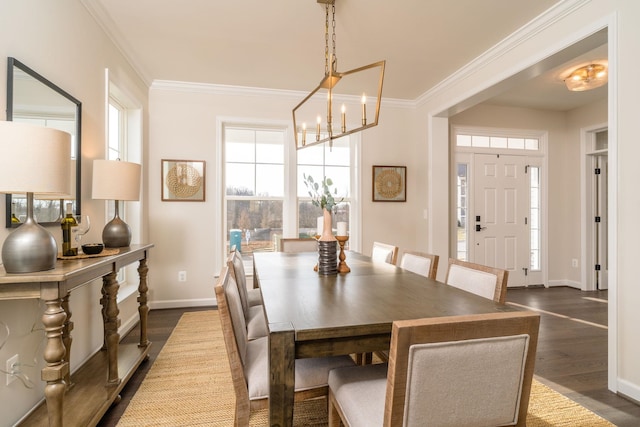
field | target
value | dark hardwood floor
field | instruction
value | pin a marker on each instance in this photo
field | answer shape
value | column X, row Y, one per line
column 571, row 359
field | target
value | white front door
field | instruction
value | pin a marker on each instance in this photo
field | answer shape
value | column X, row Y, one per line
column 500, row 222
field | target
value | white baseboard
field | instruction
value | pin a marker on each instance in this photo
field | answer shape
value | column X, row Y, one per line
column 206, row 302
column 564, row 282
column 629, row 390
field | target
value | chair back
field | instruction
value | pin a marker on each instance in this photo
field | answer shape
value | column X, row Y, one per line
column 479, row 279
column 461, row 370
column 383, row 252
column 234, row 331
column 236, row 267
column 420, row 263
column 294, row 245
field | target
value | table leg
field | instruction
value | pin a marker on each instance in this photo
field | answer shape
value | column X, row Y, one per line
column 112, row 337
column 282, row 370
column 143, row 309
column 57, row 367
column 67, row 339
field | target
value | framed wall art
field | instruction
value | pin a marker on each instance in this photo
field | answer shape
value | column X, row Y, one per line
column 183, row 180
column 389, row 183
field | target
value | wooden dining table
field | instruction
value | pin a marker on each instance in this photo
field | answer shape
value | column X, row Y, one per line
column 313, row 315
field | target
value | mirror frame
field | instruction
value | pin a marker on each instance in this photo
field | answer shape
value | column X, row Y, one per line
column 11, row 63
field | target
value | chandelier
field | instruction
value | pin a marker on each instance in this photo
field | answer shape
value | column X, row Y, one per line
column 586, row 78
column 359, row 88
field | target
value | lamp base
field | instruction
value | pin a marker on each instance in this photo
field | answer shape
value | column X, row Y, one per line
column 29, row 248
column 116, row 234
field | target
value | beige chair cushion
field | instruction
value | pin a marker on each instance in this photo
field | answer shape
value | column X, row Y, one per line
column 309, row 373
column 256, row 323
column 474, row 281
column 254, row 297
column 416, row 264
column 361, row 392
column 482, row 375
column 237, row 268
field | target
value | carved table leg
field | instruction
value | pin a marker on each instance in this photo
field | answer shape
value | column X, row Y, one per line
column 67, row 339
column 112, row 338
column 143, row 309
column 57, row 367
column 103, row 303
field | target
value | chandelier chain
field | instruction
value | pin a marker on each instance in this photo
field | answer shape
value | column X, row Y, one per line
column 334, row 63
column 326, row 40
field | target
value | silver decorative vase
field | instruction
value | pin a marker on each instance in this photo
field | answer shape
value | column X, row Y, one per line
column 327, row 257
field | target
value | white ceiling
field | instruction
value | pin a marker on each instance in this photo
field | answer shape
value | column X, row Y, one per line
column 279, row 44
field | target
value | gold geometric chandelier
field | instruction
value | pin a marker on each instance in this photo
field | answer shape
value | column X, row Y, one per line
column 356, row 88
column 586, row 78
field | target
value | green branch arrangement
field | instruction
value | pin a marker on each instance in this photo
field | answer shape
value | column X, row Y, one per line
column 320, row 193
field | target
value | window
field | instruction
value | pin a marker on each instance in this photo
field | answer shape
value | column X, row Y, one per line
column 254, row 181
column 535, row 217
column 265, row 197
column 462, row 207
column 322, row 161
column 484, row 141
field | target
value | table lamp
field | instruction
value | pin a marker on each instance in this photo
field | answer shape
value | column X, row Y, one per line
column 34, row 160
column 116, row 180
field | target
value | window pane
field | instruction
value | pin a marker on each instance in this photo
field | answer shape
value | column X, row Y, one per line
column 463, row 140
column 269, row 147
column 461, row 212
column 314, row 171
column 240, row 179
column 497, row 142
column 240, row 152
column 307, row 219
column 531, row 144
column 516, row 143
column 340, row 178
column 270, row 182
column 339, row 154
column 480, row 141
column 311, row 156
column 258, row 222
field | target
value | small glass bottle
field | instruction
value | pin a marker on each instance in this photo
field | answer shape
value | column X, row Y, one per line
column 68, row 222
column 14, row 218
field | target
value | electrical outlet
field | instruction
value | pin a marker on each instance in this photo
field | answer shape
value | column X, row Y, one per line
column 182, row 276
column 574, row 263
column 12, row 366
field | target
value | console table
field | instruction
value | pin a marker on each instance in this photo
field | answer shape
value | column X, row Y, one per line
column 82, row 399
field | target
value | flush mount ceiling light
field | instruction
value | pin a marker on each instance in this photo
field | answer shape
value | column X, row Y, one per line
column 358, row 87
column 586, row 78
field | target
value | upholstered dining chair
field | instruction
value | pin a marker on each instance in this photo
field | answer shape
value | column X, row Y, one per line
column 479, row 279
column 383, row 252
column 420, row 263
column 249, row 360
column 251, row 300
column 448, row 371
column 294, row 245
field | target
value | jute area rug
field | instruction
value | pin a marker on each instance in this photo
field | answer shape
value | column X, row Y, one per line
column 189, row 384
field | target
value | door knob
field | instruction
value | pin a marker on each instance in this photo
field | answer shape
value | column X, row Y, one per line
column 479, row 227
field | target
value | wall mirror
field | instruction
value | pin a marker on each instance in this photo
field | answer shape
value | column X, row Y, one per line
column 31, row 98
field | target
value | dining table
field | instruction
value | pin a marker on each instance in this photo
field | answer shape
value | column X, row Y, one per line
column 314, row 315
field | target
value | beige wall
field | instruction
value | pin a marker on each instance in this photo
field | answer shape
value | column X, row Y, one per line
column 61, row 41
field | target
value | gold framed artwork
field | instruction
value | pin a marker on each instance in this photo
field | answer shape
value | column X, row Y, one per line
column 183, row 180
column 389, row 184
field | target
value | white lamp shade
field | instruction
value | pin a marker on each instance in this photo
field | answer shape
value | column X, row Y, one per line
column 34, row 159
column 116, row 180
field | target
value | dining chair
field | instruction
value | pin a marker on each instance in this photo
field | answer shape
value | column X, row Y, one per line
column 479, row 279
column 294, row 245
column 249, row 360
column 250, row 299
column 420, row 263
column 448, row 371
column 383, row 252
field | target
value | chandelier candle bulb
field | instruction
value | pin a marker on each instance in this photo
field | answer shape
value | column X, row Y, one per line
column 344, row 119
column 364, row 110
column 304, row 133
column 318, row 129
column 342, row 228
